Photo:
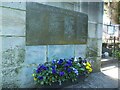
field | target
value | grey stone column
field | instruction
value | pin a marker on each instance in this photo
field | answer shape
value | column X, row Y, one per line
column 12, row 38
column 95, row 14
column 0, row 47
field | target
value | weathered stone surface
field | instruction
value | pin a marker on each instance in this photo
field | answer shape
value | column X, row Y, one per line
column 99, row 31
column 84, row 7
column 16, row 5
column 68, row 6
column 65, row 5
column 60, row 51
column 0, row 82
column 92, row 42
column 100, row 12
column 20, row 77
column 13, row 57
column 13, row 51
column 92, row 48
column 9, row 78
column 0, row 52
column 92, row 30
column 35, row 54
column 12, row 42
column 93, row 11
column 99, row 47
column 56, row 4
column 13, row 22
column 25, row 77
column 0, row 20
column 80, row 51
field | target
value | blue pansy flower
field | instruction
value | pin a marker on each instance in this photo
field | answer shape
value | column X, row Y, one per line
column 66, row 65
column 53, row 67
column 37, row 71
column 40, row 77
column 43, row 67
column 60, row 61
column 69, row 62
column 61, row 73
column 53, row 71
column 69, row 70
column 53, row 61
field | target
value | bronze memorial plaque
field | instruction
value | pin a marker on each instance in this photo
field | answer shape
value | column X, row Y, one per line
column 48, row 25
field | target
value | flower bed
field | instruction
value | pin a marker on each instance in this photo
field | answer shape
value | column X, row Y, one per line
column 61, row 70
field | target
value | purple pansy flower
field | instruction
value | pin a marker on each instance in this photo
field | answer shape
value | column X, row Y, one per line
column 53, row 67
column 66, row 65
column 60, row 61
column 53, row 71
column 40, row 77
column 69, row 62
column 37, row 71
column 69, row 70
column 61, row 73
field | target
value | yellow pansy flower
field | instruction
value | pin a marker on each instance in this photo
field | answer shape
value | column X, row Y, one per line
column 88, row 64
column 87, row 67
column 35, row 78
column 90, row 70
column 33, row 75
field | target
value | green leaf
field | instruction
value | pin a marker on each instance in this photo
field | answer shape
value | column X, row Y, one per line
column 82, row 69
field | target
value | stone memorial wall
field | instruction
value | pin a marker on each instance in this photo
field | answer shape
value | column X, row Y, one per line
column 20, row 57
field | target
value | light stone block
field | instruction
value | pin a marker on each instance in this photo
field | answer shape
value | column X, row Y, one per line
column 92, row 47
column 13, row 51
column 9, row 78
column 93, row 11
column 99, row 31
column 92, row 30
column 0, row 78
column 35, row 54
column 84, row 7
column 60, row 51
column 68, row 6
column 99, row 47
column 13, row 57
column 101, row 12
column 25, row 77
column 64, row 5
column 13, row 22
column 16, row 5
column 92, row 42
column 12, row 42
column 0, row 20
column 0, row 52
column 80, row 51
column 0, row 82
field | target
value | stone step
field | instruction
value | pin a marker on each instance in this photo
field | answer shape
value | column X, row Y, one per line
column 108, row 61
